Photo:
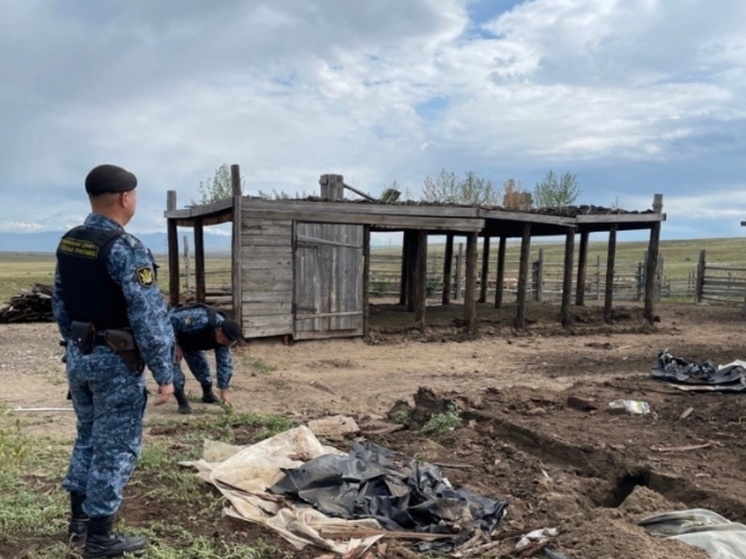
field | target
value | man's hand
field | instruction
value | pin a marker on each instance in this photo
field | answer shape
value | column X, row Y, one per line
column 164, row 394
column 225, row 396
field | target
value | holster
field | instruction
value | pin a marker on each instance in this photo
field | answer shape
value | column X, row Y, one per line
column 83, row 335
column 123, row 344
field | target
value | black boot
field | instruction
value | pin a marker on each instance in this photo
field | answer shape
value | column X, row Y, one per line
column 78, row 527
column 102, row 542
column 207, row 396
column 181, row 399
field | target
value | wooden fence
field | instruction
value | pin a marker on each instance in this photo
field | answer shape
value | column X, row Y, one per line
column 721, row 284
column 707, row 283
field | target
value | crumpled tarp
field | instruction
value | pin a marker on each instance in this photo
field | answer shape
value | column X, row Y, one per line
column 719, row 537
column 242, row 475
column 384, row 489
column 399, row 492
column 704, row 376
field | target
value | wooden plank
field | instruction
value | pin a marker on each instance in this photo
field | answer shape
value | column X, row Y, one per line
column 500, row 281
column 203, row 210
column 199, row 261
column 403, row 221
column 520, row 319
column 609, row 289
column 447, row 265
column 262, row 251
column 268, row 284
column 309, row 206
column 236, row 276
column 173, row 252
column 250, row 243
column 268, row 263
column 267, row 296
column 316, row 241
column 582, row 268
column 567, row 278
column 268, row 307
column 485, row 270
column 268, row 320
column 325, row 334
column 279, row 276
column 643, row 219
column 366, row 280
column 266, row 331
column 651, row 266
column 470, row 304
column 420, row 281
column 310, row 316
column 262, row 227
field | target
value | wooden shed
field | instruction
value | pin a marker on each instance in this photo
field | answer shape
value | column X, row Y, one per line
column 300, row 268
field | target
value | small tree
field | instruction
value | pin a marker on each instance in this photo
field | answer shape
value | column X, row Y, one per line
column 449, row 188
column 554, row 192
column 218, row 187
column 514, row 198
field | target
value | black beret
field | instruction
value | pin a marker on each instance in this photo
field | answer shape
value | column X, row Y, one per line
column 109, row 178
column 231, row 329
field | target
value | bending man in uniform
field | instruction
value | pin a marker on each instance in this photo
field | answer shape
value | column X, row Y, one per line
column 114, row 321
column 199, row 328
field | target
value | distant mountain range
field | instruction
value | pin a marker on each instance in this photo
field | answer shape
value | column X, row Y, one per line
column 46, row 241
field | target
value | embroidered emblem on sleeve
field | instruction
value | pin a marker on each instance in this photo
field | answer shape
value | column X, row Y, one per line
column 145, row 276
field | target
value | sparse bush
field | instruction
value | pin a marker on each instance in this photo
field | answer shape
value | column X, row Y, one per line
column 444, row 421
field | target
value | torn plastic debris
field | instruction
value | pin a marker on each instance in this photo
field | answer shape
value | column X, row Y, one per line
column 635, row 407
column 536, row 536
column 400, row 493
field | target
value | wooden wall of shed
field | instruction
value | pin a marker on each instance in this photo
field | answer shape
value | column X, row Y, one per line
column 267, row 277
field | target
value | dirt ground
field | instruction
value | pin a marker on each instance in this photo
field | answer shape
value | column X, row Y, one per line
column 589, row 473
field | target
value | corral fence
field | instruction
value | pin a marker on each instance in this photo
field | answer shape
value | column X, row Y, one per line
column 719, row 283
column 545, row 283
column 716, row 283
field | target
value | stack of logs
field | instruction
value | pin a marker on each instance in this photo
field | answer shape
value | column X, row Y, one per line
column 29, row 305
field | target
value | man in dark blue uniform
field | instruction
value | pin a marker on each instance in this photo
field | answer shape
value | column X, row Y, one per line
column 114, row 321
column 198, row 328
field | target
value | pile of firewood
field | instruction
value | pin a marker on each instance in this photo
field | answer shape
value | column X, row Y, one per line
column 29, row 305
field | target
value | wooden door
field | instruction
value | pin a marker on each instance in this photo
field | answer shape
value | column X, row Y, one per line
column 328, row 265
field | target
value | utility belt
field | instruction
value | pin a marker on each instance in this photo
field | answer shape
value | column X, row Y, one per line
column 120, row 340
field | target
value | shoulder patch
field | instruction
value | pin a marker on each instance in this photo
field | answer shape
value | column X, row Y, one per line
column 145, row 276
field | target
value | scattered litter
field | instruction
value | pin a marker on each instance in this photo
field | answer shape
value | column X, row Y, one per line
column 705, row 376
column 536, row 536
column 635, row 407
column 686, row 413
column 680, row 448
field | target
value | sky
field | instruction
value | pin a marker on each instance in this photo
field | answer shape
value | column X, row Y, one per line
column 633, row 97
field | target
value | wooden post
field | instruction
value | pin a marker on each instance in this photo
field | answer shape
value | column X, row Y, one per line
column 332, row 187
column 651, row 274
column 412, row 263
column 420, row 281
column 609, row 291
column 236, row 247
column 500, row 280
column 186, row 263
column 567, row 278
column 199, row 261
column 173, row 252
column 366, row 280
column 699, row 287
column 539, row 278
column 403, row 279
column 459, row 266
column 523, row 271
column 485, row 269
column 598, row 277
column 582, row 264
column 447, row 273
column 470, row 303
